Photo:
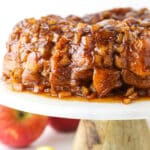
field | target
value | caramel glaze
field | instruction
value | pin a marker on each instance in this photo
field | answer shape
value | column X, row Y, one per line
column 110, row 99
column 99, row 55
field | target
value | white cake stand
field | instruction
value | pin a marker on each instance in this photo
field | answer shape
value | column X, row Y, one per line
column 124, row 134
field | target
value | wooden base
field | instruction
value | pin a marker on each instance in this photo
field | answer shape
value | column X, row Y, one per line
column 112, row 135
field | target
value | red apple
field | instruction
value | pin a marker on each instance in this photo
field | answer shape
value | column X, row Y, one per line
column 63, row 124
column 19, row 129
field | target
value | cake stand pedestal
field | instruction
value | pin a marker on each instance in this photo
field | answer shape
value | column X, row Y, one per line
column 112, row 135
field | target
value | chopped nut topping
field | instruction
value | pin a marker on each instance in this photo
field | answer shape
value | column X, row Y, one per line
column 97, row 55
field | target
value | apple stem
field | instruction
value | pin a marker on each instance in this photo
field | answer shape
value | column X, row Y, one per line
column 21, row 115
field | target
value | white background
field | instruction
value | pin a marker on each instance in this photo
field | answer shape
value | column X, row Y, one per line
column 12, row 11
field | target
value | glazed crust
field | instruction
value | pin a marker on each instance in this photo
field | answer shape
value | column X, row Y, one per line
column 98, row 55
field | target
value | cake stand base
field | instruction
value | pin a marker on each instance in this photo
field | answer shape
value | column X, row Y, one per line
column 112, row 135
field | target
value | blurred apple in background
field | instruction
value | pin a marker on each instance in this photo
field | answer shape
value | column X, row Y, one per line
column 63, row 124
column 19, row 129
